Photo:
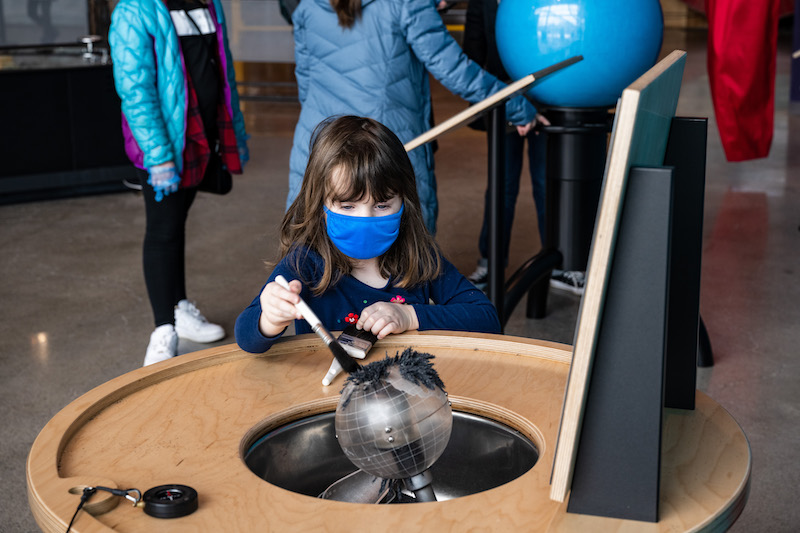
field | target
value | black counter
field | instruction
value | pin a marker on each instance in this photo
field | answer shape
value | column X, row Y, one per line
column 60, row 133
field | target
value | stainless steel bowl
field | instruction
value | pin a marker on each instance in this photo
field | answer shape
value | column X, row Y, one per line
column 306, row 458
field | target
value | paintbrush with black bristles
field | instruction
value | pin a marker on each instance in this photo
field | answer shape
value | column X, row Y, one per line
column 348, row 363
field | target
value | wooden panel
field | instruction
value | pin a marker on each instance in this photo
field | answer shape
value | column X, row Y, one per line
column 639, row 138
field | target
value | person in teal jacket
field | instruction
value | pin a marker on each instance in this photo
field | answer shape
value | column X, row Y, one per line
column 372, row 58
column 183, row 128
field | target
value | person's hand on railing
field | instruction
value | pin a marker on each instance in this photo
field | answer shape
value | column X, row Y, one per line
column 526, row 128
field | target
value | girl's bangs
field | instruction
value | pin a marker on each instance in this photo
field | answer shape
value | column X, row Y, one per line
column 363, row 182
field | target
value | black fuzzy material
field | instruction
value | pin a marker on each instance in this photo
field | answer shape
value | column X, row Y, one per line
column 414, row 366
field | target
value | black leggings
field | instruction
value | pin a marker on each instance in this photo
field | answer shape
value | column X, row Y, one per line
column 163, row 254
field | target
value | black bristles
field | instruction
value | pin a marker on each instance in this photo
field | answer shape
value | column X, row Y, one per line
column 414, row 366
column 349, row 364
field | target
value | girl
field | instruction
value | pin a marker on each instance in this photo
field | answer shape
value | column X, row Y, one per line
column 355, row 248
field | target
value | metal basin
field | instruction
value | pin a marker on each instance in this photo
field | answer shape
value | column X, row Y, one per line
column 305, row 457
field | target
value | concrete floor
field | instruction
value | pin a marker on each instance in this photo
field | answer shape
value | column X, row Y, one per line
column 75, row 314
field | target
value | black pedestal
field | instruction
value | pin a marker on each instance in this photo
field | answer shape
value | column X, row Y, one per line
column 576, row 158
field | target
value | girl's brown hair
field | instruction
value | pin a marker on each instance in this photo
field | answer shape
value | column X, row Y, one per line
column 378, row 167
column 347, row 11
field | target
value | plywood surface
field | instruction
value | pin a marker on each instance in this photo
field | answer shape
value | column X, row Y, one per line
column 185, row 421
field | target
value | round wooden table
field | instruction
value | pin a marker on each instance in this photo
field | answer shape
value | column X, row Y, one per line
column 189, row 420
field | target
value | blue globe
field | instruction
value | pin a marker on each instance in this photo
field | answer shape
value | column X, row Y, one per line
column 618, row 39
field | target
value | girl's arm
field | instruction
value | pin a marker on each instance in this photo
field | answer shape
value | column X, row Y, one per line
column 269, row 314
column 247, row 332
column 278, row 307
column 458, row 306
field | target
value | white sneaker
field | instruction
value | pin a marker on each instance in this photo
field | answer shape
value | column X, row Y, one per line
column 192, row 325
column 163, row 345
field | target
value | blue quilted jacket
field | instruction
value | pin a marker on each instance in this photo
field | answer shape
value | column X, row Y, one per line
column 150, row 78
column 379, row 69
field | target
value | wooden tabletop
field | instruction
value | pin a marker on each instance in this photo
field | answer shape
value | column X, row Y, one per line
column 189, row 419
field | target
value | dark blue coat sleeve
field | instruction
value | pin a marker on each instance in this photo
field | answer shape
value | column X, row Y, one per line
column 248, row 335
column 457, row 305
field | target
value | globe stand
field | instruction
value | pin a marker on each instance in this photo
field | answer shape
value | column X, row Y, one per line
column 496, row 167
column 576, row 158
column 533, row 277
column 422, row 487
column 576, row 155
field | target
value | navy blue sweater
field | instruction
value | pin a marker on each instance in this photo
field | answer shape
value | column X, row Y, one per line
column 450, row 302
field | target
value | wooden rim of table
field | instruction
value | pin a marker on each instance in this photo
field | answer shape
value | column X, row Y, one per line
column 188, row 420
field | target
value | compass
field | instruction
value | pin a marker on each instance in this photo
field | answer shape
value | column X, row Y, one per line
column 170, row 501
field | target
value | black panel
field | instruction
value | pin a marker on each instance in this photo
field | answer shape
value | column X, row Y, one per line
column 617, row 467
column 686, row 153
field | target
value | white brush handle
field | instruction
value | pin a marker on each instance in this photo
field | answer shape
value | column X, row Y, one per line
column 316, row 325
column 301, row 306
column 333, row 371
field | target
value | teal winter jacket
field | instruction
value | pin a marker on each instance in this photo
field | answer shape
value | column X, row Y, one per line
column 379, row 69
column 150, row 78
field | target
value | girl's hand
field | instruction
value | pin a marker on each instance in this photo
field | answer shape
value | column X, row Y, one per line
column 382, row 318
column 278, row 307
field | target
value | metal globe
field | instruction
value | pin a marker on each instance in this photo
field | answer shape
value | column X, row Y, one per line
column 391, row 427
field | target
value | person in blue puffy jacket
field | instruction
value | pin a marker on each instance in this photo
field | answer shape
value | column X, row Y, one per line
column 372, row 58
column 183, row 129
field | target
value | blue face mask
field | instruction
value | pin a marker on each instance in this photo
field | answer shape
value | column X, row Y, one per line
column 363, row 237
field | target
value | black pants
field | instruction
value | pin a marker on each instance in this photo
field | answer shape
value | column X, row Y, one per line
column 163, row 254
